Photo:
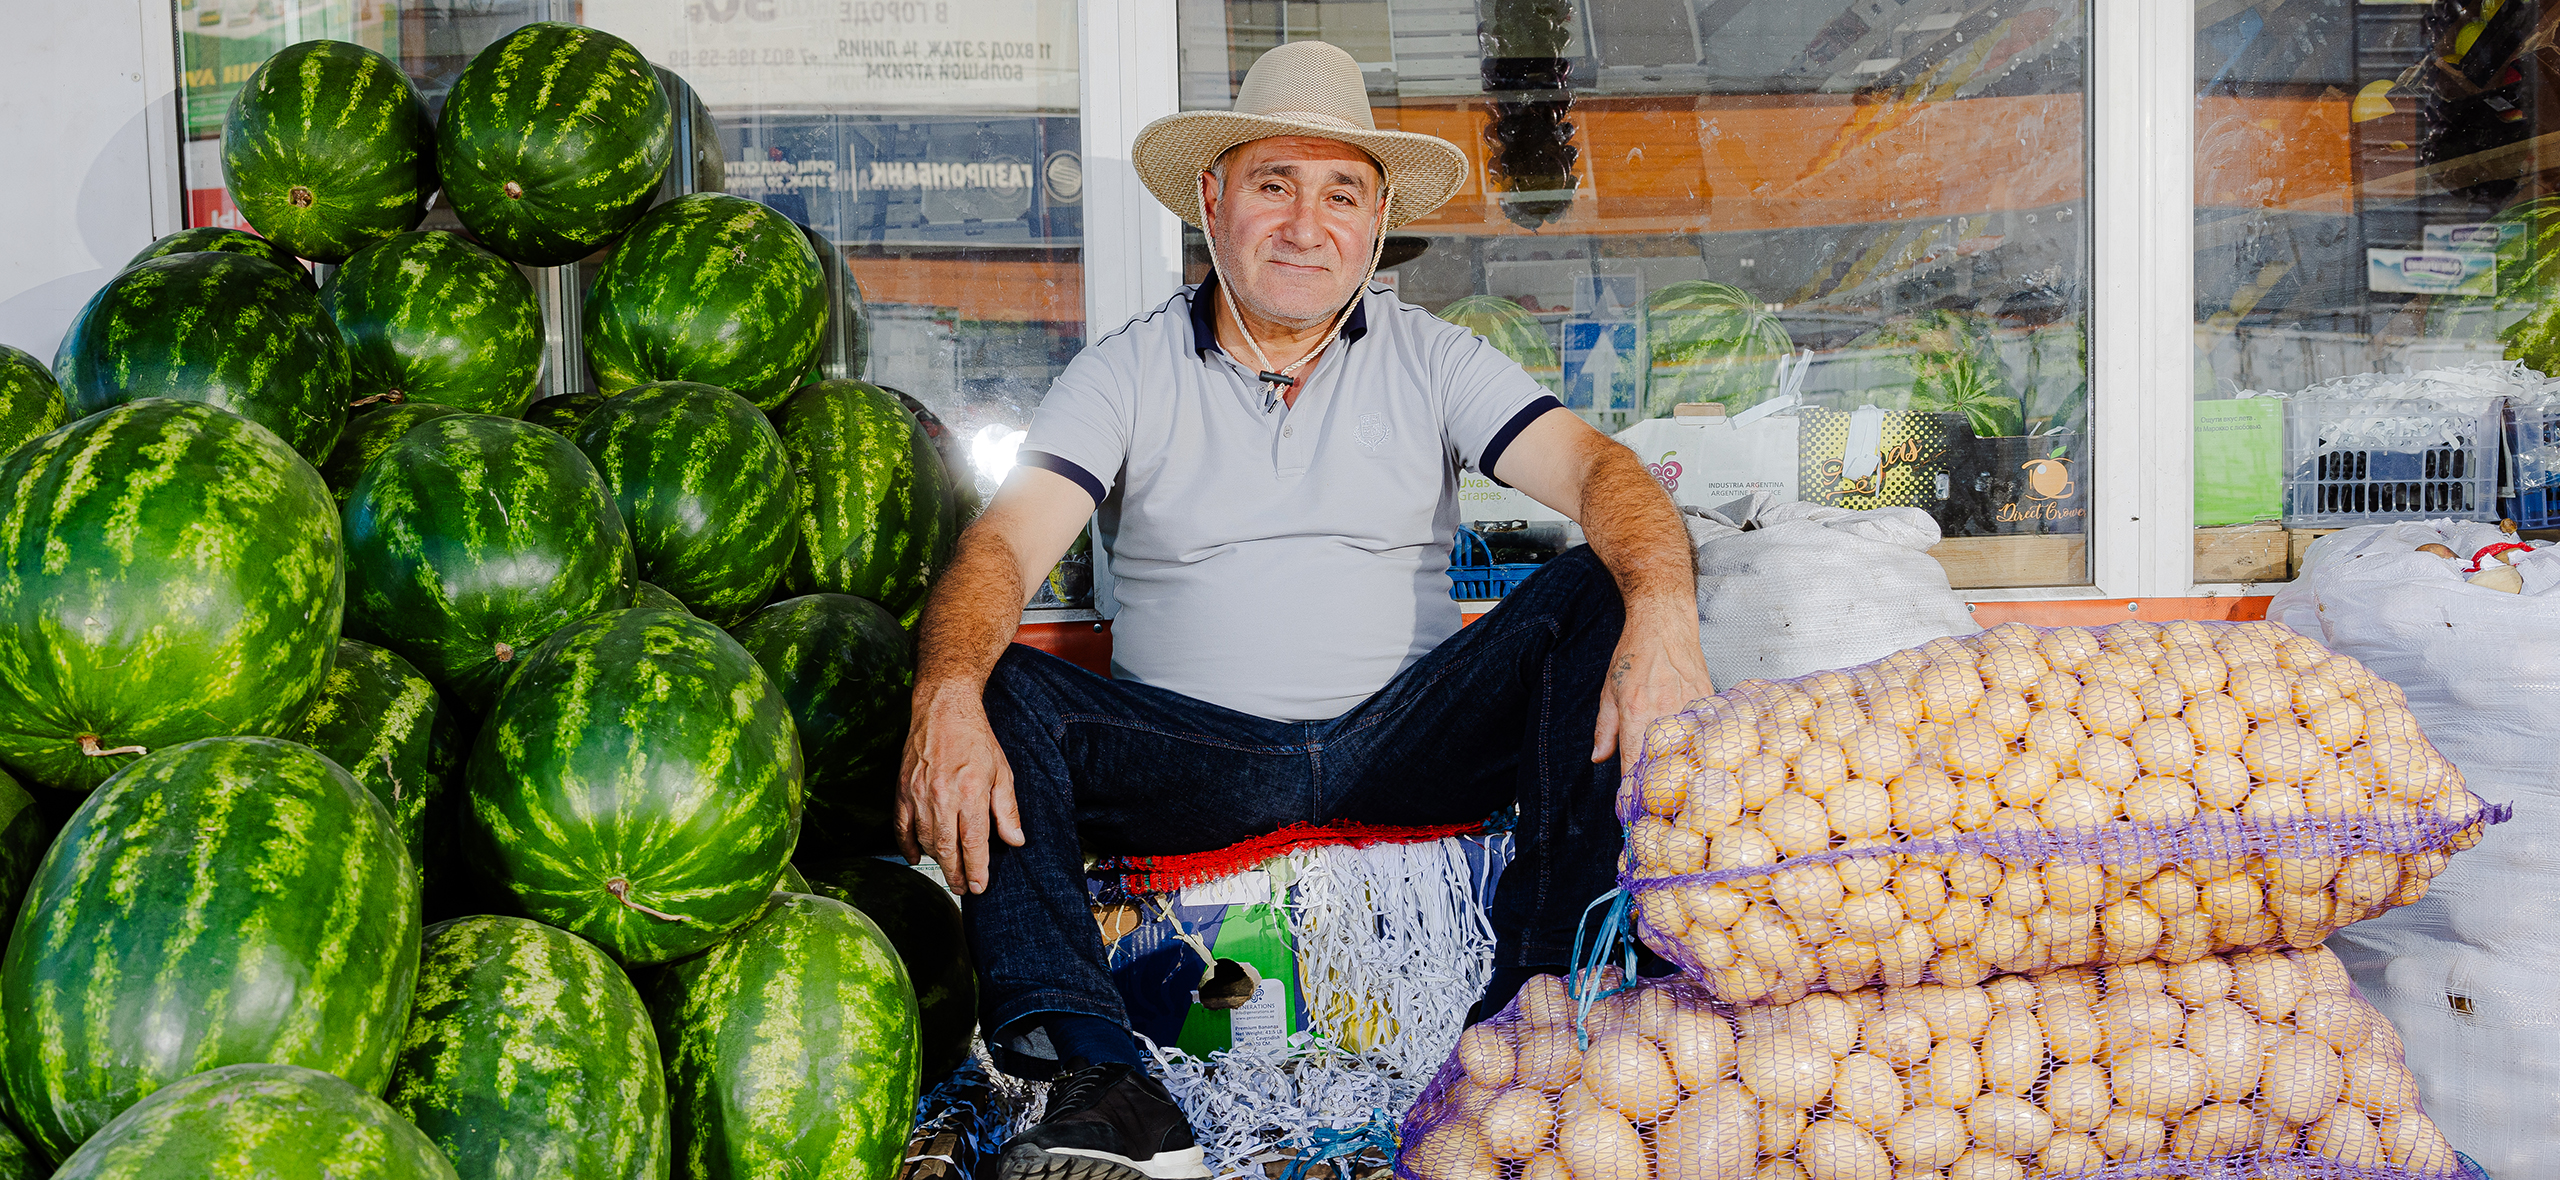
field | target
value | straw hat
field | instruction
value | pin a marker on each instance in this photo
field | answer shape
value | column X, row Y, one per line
column 1301, row 88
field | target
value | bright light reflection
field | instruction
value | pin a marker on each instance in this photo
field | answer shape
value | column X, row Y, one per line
column 991, row 450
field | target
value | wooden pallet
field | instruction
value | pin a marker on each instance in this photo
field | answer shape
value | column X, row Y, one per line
column 2243, row 553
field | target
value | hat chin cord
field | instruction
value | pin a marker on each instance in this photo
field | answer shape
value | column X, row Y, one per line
column 1276, row 380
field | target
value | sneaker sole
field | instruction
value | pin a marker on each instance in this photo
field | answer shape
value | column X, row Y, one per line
column 1027, row 1161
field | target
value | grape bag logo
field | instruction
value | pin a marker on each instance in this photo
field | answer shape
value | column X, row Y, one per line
column 1667, row 470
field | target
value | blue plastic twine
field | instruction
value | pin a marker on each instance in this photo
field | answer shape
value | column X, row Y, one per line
column 1326, row 1144
column 1588, row 958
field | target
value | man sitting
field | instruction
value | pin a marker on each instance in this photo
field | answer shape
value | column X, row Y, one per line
column 1274, row 458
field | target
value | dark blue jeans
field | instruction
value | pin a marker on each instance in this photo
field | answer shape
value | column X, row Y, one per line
column 1501, row 712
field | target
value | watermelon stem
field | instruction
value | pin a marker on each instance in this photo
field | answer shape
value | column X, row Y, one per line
column 90, row 747
column 506, row 651
column 395, row 397
column 621, row 891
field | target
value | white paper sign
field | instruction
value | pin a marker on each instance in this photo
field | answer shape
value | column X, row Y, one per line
column 1714, row 463
column 877, row 55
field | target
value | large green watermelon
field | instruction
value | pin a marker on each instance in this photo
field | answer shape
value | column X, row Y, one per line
column 1710, row 342
column 563, row 413
column 552, row 141
column 529, row 1054
column 924, row 924
column 215, row 239
column 790, row 1048
column 17, row 1160
column 369, row 433
column 876, row 516
column 709, row 288
column 1949, row 364
column 384, row 724
column 638, row 784
column 472, row 539
column 228, row 900
column 706, row 168
column 24, row 834
column 30, row 402
column 167, row 572
column 846, row 669
column 1513, row 332
column 272, row 1122
column 327, row 150
column 429, row 317
column 225, row 329
column 705, row 488
column 645, row 596
column 844, row 350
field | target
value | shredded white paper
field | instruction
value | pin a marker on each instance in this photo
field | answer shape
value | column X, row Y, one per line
column 1394, row 944
column 1252, row 1107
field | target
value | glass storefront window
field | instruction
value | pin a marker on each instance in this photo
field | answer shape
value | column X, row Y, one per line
column 1670, row 196
column 2372, row 195
column 931, row 146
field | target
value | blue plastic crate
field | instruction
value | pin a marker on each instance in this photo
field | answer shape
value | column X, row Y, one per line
column 1473, row 574
column 2533, row 432
column 2334, row 487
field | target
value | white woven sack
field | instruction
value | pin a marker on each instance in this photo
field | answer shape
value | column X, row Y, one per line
column 2467, row 973
column 1787, row 590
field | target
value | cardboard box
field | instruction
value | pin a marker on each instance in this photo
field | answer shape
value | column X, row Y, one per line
column 2243, row 553
column 1871, row 458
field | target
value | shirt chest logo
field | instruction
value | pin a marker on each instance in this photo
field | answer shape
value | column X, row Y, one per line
column 1373, row 432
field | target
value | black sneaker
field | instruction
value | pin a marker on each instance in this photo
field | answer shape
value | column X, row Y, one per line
column 1105, row 1122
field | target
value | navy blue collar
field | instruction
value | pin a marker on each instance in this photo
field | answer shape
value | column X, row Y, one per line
column 1204, row 328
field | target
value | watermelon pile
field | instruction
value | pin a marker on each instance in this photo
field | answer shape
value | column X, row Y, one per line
column 401, row 777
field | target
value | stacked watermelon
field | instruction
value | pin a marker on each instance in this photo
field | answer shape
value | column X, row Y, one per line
column 322, row 630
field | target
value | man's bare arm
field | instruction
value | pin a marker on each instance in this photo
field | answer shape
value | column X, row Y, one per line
column 955, row 779
column 1633, row 529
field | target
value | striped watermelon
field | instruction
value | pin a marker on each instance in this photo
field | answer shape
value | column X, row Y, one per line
column 430, row 317
column 876, row 515
column 17, row 1161
column 471, row 540
column 24, row 835
column 228, row 900
column 552, row 141
column 1513, row 332
column 789, row 882
column 327, row 150
column 167, row 572
column 30, row 403
column 369, row 433
column 215, row 239
column 958, row 474
column 705, row 488
column 384, row 724
column 709, row 288
column 647, row 596
column 790, row 1048
column 529, row 1054
column 638, row 784
column 270, row 1121
column 563, row 413
column 707, row 170
column 1710, row 342
column 226, row 329
column 846, row 669
column 844, row 351
column 923, row 923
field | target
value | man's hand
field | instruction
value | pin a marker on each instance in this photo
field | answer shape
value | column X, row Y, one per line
column 1656, row 671
column 954, row 780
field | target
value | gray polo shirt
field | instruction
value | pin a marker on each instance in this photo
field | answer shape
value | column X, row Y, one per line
column 1280, row 561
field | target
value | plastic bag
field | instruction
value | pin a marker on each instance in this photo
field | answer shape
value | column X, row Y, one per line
column 1810, row 587
column 2468, row 972
column 2234, row 1067
column 2031, row 798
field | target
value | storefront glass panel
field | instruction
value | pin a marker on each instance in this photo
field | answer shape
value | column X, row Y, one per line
column 2372, row 210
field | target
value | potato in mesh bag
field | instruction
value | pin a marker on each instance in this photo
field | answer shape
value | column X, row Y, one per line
column 2029, row 798
column 2260, row 1064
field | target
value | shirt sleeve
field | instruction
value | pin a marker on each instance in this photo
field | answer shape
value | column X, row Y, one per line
column 1486, row 400
column 1081, row 429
